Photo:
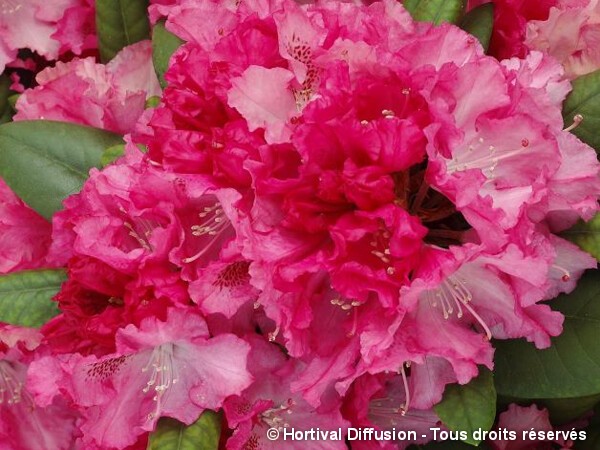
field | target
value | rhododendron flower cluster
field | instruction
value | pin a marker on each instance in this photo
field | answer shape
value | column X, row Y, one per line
column 336, row 209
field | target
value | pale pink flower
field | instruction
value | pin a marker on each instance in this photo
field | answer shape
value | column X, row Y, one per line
column 111, row 96
column 22, row 27
column 571, row 34
column 25, row 424
column 48, row 28
column 161, row 368
column 522, row 419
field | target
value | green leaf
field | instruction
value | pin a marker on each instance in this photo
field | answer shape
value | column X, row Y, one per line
column 6, row 110
column 111, row 154
column 120, row 23
column 45, row 161
column 26, row 297
column 164, row 44
column 562, row 410
column 586, row 235
column 584, row 99
column 565, row 410
column 592, row 441
column 203, row 434
column 480, row 23
column 436, row 11
column 571, row 366
column 12, row 100
column 469, row 407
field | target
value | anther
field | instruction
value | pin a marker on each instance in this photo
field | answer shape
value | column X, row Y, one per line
column 566, row 275
column 576, row 121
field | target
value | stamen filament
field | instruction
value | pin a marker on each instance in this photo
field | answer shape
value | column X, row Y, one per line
column 404, row 408
column 576, row 121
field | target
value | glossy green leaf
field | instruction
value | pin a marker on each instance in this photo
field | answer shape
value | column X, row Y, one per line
column 26, row 297
column 480, row 23
column 584, row 99
column 565, row 410
column 111, row 154
column 203, row 434
column 120, row 23
column 586, row 235
column 45, row 161
column 571, row 366
column 436, row 11
column 164, row 44
column 469, row 407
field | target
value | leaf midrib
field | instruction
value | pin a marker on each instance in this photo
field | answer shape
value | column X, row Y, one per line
column 18, row 291
column 45, row 154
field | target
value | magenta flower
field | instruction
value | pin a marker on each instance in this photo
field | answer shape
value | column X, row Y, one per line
column 329, row 217
column 390, row 171
column 24, row 235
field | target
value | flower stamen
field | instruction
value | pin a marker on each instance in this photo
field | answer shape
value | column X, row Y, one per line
column 453, row 292
column 214, row 224
column 406, row 405
column 273, row 416
column 566, row 275
column 10, row 388
column 9, row 6
column 163, row 376
column 577, row 119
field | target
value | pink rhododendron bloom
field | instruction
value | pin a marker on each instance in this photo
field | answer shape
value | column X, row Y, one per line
column 47, row 28
column 161, row 368
column 24, row 235
column 111, row 96
column 24, row 424
column 137, row 239
column 223, row 287
column 22, row 27
column 338, row 210
column 381, row 402
column 76, row 28
column 571, row 34
column 268, row 404
column 511, row 19
column 520, row 420
column 381, row 193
